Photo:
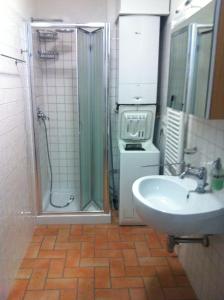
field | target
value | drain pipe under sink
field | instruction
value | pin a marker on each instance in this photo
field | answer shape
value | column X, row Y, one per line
column 173, row 240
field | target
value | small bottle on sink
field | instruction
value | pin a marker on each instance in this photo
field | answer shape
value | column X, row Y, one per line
column 217, row 175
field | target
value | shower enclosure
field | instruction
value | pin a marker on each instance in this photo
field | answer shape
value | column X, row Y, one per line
column 69, row 65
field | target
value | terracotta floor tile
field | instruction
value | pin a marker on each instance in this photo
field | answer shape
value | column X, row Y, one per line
column 63, row 235
column 101, row 232
column 125, row 229
column 138, row 294
column 121, row 245
column 126, row 282
column 33, row 250
column 153, row 240
column 152, row 261
column 67, row 246
column 56, row 268
column 179, row 293
column 160, row 253
column 113, row 235
column 101, row 244
column 130, row 257
column 100, row 238
column 41, row 226
column 61, row 283
column 85, row 289
column 48, row 243
column 94, row 262
column 144, row 271
column 102, row 278
column 45, row 231
column 142, row 249
column 112, row 294
column 37, row 238
column 87, row 249
column 87, row 272
column 176, row 266
column 18, row 289
column 89, row 229
column 81, row 238
column 76, row 229
column 42, row 295
column 37, row 263
column 162, row 238
column 108, row 253
column 72, row 258
column 37, row 279
column 117, row 267
column 107, row 226
column 153, row 289
column 23, row 273
column 132, row 237
column 105, row 261
column 165, row 276
column 59, row 226
column 181, row 280
column 141, row 229
column 52, row 253
column 68, row 295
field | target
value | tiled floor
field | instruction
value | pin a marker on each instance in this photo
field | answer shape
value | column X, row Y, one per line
column 84, row 262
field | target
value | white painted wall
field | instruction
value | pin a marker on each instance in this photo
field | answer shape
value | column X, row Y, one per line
column 23, row 7
column 75, row 11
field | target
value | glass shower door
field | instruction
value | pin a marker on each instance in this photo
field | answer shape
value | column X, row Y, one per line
column 92, row 112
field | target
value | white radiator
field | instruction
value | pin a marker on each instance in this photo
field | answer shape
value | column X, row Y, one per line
column 174, row 145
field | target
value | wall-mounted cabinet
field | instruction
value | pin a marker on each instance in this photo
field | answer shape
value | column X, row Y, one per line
column 138, row 59
column 151, row 7
column 216, row 108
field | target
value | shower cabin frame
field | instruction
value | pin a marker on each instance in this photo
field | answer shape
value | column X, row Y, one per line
column 59, row 217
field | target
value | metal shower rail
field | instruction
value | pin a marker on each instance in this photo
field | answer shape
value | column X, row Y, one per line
column 65, row 25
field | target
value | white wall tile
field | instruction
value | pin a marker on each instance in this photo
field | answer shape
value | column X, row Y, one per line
column 60, row 103
column 16, row 194
column 205, row 266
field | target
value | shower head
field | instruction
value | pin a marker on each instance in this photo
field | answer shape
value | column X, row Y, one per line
column 65, row 30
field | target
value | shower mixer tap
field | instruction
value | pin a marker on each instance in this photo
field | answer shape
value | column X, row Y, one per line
column 41, row 115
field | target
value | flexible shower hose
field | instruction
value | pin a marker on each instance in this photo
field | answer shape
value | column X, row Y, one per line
column 51, row 173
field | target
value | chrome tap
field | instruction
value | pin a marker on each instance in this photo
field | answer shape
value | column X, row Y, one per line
column 41, row 115
column 200, row 174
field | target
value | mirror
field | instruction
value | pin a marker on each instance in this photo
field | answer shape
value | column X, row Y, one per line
column 191, row 62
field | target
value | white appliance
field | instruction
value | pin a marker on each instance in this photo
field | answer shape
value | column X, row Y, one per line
column 152, row 7
column 138, row 156
column 138, row 59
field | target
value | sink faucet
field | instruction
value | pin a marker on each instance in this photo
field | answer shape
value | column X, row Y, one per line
column 200, row 174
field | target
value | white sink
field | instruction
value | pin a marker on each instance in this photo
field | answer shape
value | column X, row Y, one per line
column 164, row 203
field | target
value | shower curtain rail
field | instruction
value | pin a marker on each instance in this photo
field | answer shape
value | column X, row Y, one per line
column 17, row 60
column 66, row 25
